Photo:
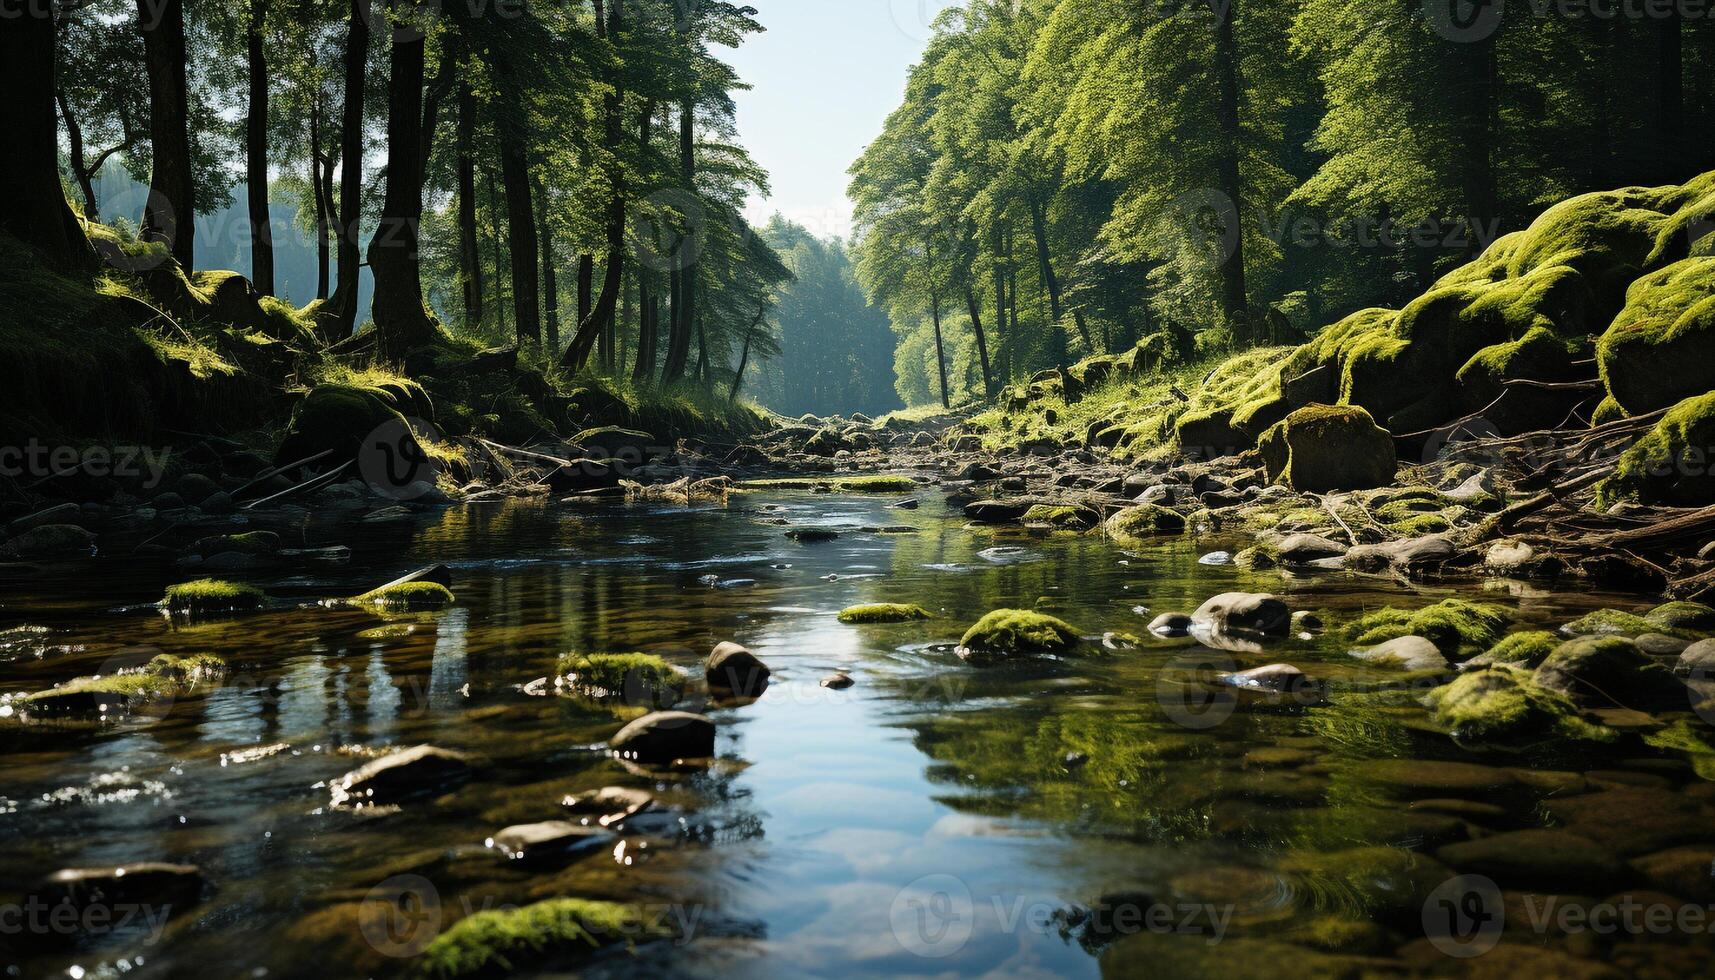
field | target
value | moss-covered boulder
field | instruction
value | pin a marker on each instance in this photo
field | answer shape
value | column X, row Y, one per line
column 49, row 541
column 1672, row 463
column 210, row 597
column 1689, row 617
column 418, row 596
column 1008, row 633
column 883, row 612
column 123, row 691
column 336, row 418
column 1610, row 671
column 636, row 677
column 1526, row 650
column 509, row 941
column 1503, row 702
column 1134, row 527
column 1449, row 624
column 1616, row 622
column 1540, row 355
column 1659, row 349
column 1320, row 448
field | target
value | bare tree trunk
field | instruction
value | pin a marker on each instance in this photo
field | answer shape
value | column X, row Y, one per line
column 321, row 199
column 982, row 342
column 36, row 211
column 1235, row 306
column 494, row 239
column 402, row 320
column 256, row 154
column 79, row 170
column 521, row 236
column 170, row 215
column 550, row 278
column 347, row 257
column 744, row 353
column 685, row 262
column 470, row 259
column 583, row 342
column 940, row 351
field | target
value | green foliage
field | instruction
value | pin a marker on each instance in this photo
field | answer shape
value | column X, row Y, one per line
column 604, row 675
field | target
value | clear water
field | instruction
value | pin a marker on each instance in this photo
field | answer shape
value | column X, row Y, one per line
column 933, row 819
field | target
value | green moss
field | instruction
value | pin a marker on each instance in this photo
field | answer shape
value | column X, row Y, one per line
column 1061, row 516
column 1503, row 703
column 211, row 596
column 1135, row 526
column 506, row 942
column 110, row 693
column 1671, row 464
column 1612, row 622
column 1449, row 624
column 1687, row 616
column 601, row 675
column 883, row 612
column 1525, row 649
column 1607, row 411
column 407, row 596
column 1320, row 448
column 1658, row 349
column 878, row 484
column 1013, row 632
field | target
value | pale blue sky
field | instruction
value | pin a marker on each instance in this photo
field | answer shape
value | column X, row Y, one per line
column 825, row 75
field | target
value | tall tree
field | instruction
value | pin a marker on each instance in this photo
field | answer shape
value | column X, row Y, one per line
column 170, row 215
column 356, row 57
column 256, row 152
column 402, row 320
column 36, row 211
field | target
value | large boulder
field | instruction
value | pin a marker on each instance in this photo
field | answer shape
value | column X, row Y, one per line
column 1659, row 348
column 1244, row 612
column 733, row 669
column 1007, row 633
column 1671, row 463
column 1610, row 671
column 336, row 418
column 1321, row 448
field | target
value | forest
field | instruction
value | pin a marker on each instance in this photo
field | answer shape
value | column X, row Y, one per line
column 1237, row 498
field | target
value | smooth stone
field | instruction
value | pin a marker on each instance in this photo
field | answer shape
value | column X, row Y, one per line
column 1171, row 625
column 1632, row 821
column 1407, row 652
column 1302, row 549
column 1244, row 612
column 1420, row 775
column 1698, row 659
column 1552, row 859
column 1216, row 558
column 837, row 682
column 548, row 841
column 731, row 667
column 58, row 514
column 166, row 889
column 1661, row 645
column 811, row 535
column 1272, row 678
column 400, row 776
column 663, row 736
column 1681, row 871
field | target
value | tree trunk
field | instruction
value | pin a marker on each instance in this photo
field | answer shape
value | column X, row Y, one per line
column 578, row 351
column 79, row 169
column 470, row 261
column 744, row 353
column 982, row 342
column 627, row 314
column 586, row 298
column 344, row 302
column 1002, row 335
column 1235, row 306
column 35, row 209
column 170, row 215
column 550, row 278
column 1039, row 227
column 401, row 318
column 256, row 154
column 494, row 239
column 321, row 200
column 520, row 236
column 643, row 366
column 685, row 258
column 1477, row 132
column 940, row 351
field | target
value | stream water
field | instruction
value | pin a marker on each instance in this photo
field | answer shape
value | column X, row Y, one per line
column 932, row 819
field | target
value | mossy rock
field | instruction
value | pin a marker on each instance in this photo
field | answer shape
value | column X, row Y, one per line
column 1540, row 355
column 1135, row 526
column 1321, row 448
column 1504, row 703
column 878, row 484
column 406, row 597
column 335, row 417
column 211, row 596
column 248, row 543
column 1061, row 516
column 1615, row 622
column 112, row 694
column 1008, row 633
column 634, row 676
column 614, row 441
column 1687, row 617
column 1610, row 671
column 1659, row 348
column 509, row 941
column 1449, row 624
column 883, row 612
column 49, row 541
column 1671, row 464
column 1527, row 649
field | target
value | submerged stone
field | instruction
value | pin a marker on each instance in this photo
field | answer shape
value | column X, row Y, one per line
column 549, row 842
column 883, row 612
column 1610, row 670
column 398, row 777
column 664, row 736
column 559, row 930
column 1556, row 860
